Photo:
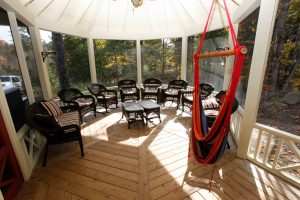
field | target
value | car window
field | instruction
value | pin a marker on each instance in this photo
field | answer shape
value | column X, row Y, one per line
column 4, row 79
column 14, row 79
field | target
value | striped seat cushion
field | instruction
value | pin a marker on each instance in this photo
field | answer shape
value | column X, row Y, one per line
column 129, row 90
column 210, row 103
column 68, row 118
column 172, row 92
column 52, row 108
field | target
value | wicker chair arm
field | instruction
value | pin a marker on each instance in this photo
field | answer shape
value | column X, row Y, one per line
column 49, row 132
column 187, row 92
column 100, row 95
column 68, row 108
column 87, row 96
column 71, row 126
column 112, row 91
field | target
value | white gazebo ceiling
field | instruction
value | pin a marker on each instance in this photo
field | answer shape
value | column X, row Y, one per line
column 118, row 19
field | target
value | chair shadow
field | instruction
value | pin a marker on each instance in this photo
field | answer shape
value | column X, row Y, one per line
column 110, row 132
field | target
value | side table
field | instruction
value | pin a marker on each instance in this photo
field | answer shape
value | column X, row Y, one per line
column 133, row 112
column 150, row 108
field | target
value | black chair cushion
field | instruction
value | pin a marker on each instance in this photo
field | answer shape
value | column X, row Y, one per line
column 47, row 121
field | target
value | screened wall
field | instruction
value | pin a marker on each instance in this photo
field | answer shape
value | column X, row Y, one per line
column 161, row 59
column 72, row 55
column 115, row 60
column 211, row 69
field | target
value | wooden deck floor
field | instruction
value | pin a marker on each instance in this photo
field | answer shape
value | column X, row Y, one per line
column 146, row 163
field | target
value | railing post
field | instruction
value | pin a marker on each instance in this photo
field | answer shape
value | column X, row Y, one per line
column 267, row 15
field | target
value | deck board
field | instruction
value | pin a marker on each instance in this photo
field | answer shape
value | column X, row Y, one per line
column 151, row 162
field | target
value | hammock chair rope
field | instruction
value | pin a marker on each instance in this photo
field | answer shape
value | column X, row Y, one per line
column 208, row 146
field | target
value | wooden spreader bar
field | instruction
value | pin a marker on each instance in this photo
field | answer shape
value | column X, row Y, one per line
column 221, row 53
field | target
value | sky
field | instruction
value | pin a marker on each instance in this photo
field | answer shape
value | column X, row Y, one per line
column 5, row 34
column 46, row 35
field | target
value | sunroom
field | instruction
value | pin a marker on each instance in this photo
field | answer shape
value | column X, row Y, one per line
column 50, row 45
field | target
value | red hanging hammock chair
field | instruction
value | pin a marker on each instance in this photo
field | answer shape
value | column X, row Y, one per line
column 209, row 146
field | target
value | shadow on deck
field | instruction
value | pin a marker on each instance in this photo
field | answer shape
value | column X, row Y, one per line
column 146, row 163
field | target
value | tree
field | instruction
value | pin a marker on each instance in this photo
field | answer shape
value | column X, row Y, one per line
column 77, row 62
column 278, row 41
column 62, row 72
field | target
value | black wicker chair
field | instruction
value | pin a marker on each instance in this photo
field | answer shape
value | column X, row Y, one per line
column 151, row 89
column 57, row 130
column 212, row 106
column 128, row 90
column 83, row 103
column 187, row 96
column 173, row 92
column 105, row 97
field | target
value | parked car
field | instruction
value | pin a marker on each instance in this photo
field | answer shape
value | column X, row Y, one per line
column 12, row 80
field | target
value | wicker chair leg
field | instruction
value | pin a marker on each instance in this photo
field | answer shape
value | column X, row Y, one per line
column 81, row 147
column 80, row 116
column 45, row 155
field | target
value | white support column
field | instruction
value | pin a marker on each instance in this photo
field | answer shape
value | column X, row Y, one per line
column 229, row 60
column 21, row 56
column 267, row 15
column 184, row 49
column 19, row 151
column 92, row 61
column 41, row 66
column 139, row 62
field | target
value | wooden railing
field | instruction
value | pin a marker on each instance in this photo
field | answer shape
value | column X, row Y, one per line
column 277, row 151
column 32, row 143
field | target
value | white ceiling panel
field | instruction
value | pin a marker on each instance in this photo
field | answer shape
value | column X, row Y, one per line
column 119, row 19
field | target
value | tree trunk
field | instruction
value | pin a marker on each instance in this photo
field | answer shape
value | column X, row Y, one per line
column 61, row 70
column 278, row 43
column 293, row 70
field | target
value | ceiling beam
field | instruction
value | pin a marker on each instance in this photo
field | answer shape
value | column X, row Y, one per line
column 20, row 11
column 43, row 9
column 62, row 10
column 81, row 15
column 187, row 13
column 125, row 15
column 178, row 19
column 100, row 4
column 245, row 9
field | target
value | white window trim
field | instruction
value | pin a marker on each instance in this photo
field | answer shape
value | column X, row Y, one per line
column 139, row 62
column 92, row 61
